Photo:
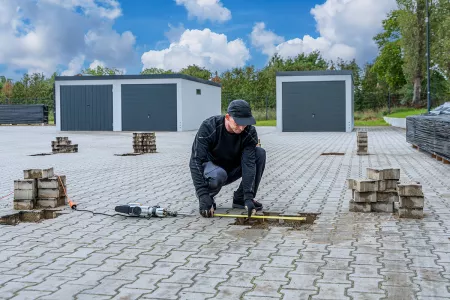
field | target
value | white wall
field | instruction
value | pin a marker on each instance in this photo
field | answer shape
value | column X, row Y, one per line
column 349, row 124
column 196, row 108
column 117, row 92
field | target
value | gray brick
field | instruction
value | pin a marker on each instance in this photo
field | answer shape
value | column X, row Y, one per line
column 265, row 289
column 364, row 207
column 166, row 291
column 365, row 285
column 240, row 279
column 227, row 292
column 332, row 291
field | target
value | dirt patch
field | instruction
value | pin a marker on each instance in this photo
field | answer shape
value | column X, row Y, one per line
column 263, row 223
column 29, row 216
column 40, row 154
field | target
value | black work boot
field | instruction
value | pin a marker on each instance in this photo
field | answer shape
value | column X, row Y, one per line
column 240, row 203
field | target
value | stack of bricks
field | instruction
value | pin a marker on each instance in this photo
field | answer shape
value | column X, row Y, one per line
column 377, row 192
column 411, row 200
column 40, row 188
column 63, row 145
column 144, row 142
column 362, row 143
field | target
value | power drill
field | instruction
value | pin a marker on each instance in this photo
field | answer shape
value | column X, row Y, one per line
column 137, row 210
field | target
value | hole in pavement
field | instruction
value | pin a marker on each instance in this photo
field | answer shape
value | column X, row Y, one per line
column 128, row 154
column 29, row 216
column 267, row 223
column 41, row 154
column 332, row 153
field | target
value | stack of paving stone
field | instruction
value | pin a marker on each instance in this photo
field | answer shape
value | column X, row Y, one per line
column 144, row 142
column 411, row 200
column 40, row 188
column 64, row 145
column 362, row 143
column 377, row 192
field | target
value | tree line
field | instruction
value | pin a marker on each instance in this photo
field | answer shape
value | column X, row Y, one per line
column 397, row 73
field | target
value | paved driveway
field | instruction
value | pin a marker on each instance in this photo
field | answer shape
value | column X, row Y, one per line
column 342, row 256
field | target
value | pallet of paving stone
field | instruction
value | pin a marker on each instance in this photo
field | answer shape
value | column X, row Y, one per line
column 361, row 143
column 377, row 192
column 40, row 188
column 430, row 133
column 144, row 142
column 64, row 145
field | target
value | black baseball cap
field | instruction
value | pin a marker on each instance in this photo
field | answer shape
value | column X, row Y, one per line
column 241, row 112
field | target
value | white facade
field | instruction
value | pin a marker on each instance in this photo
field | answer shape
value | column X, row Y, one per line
column 192, row 108
column 349, row 119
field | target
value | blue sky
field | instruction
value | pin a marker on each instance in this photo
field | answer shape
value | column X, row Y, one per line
column 68, row 36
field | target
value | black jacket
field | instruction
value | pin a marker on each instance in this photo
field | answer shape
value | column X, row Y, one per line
column 214, row 143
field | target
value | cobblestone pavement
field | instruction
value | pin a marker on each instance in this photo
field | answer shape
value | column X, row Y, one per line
column 344, row 255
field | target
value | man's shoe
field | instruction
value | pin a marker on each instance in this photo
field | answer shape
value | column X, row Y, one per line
column 241, row 204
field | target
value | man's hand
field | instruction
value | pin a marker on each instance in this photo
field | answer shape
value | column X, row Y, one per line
column 206, row 206
column 250, row 206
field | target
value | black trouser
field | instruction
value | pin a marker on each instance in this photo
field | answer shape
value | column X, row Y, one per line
column 218, row 177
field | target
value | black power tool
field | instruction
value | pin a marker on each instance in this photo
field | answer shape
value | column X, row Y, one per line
column 138, row 210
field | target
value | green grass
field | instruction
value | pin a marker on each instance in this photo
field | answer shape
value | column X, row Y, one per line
column 378, row 122
column 403, row 113
column 266, row 123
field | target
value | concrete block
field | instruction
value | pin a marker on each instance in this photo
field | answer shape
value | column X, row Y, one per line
column 359, row 207
column 362, row 144
column 351, row 183
column 25, row 184
column 51, row 183
column 361, row 133
column 38, row 173
column 50, row 193
column 366, row 185
column 410, row 189
column 47, row 203
column 410, row 213
column 388, row 185
column 364, row 196
column 387, row 207
column 383, row 173
column 411, row 202
column 396, row 206
column 387, row 197
column 23, row 204
column 25, row 194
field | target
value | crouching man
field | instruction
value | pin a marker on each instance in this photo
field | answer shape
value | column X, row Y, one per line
column 224, row 150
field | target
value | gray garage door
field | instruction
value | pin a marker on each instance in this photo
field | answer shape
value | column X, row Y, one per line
column 86, row 107
column 313, row 106
column 149, row 107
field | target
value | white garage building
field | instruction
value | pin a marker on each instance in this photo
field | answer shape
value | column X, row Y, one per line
column 157, row 102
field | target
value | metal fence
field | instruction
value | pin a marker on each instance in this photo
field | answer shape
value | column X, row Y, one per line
column 49, row 102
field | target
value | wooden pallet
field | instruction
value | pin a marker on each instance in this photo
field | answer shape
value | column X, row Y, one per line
column 445, row 160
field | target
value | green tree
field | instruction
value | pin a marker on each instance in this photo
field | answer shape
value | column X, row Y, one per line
column 440, row 35
column 196, row 71
column 156, row 71
column 100, row 70
column 411, row 20
column 389, row 64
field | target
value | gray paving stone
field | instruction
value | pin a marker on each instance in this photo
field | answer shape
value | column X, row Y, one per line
column 92, row 250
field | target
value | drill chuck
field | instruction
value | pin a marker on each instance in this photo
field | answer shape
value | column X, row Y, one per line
column 135, row 209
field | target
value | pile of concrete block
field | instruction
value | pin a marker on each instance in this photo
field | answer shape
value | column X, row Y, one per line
column 63, row 145
column 375, row 193
column 362, row 143
column 411, row 200
column 144, row 142
column 40, row 188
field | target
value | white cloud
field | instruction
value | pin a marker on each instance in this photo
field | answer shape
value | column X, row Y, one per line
column 43, row 35
column 346, row 29
column 75, row 66
column 206, row 9
column 201, row 47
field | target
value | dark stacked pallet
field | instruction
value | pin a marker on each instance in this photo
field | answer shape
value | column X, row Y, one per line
column 144, row 142
column 64, row 145
column 430, row 133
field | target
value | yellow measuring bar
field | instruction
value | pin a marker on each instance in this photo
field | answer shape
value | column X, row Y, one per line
column 262, row 217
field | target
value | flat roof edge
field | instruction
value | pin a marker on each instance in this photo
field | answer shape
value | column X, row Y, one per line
column 315, row 73
column 142, row 76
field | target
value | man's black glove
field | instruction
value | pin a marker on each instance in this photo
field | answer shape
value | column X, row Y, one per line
column 206, row 206
column 250, row 206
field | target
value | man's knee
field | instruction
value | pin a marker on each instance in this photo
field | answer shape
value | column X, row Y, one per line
column 260, row 154
column 216, row 176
